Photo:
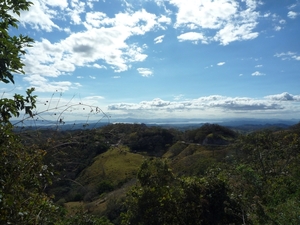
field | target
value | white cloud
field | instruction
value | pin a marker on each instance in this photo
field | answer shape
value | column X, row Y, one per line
column 277, row 28
column 193, row 36
column 41, row 84
column 93, row 19
column 75, row 10
column 136, row 23
column 40, row 15
column 134, row 53
column 232, row 32
column 285, row 96
column 213, row 106
column 159, row 2
column 62, row 4
column 231, row 20
column 96, row 65
column 76, row 85
column 282, row 21
column 105, row 40
column 145, row 72
column 292, row 6
column 258, row 66
column 220, row 63
column 204, row 14
column 159, row 39
column 257, row 73
column 92, row 77
column 209, row 66
column 296, row 57
column 164, row 19
column 288, row 55
column 67, row 30
column 208, row 103
column 47, row 59
column 90, row 3
column 292, row 14
column 96, row 97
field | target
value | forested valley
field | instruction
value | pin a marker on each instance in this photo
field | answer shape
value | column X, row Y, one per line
column 139, row 174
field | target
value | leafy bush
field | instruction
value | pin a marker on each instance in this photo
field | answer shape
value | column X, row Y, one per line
column 162, row 198
column 104, row 186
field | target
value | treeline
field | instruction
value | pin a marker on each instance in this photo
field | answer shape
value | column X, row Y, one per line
column 153, row 140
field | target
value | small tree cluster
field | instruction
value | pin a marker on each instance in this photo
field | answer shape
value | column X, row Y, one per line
column 162, row 198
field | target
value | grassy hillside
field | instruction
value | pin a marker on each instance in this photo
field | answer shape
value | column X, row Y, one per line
column 100, row 187
column 193, row 159
column 117, row 165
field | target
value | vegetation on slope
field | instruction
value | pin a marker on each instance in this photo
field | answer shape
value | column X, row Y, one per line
column 211, row 134
column 254, row 169
column 257, row 174
column 259, row 179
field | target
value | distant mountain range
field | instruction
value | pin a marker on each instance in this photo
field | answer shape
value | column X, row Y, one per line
column 223, row 122
column 245, row 123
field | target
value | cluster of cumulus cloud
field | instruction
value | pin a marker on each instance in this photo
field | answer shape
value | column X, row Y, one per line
column 89, row 37
column 271, row 102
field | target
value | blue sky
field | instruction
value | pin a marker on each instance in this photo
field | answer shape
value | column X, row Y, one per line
column 206, row 59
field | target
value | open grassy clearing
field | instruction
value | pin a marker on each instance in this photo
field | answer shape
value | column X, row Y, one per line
column 117, row 166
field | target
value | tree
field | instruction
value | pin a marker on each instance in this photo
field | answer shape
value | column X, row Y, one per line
column 23, row 174
column 154, row 201
column 264, row 177
column 162, row 198
column 24, row 177
column 12, row 47
column 11, row 50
